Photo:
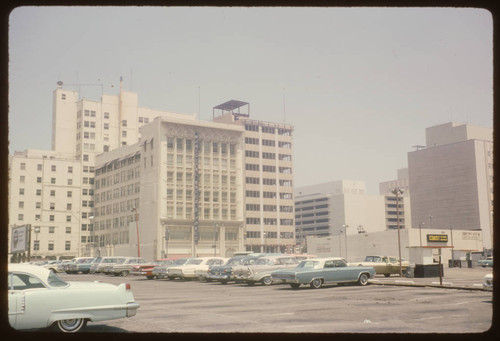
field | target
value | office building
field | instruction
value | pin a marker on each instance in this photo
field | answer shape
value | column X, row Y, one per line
column 451, row 181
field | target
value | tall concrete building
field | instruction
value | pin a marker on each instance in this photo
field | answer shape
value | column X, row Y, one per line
column 268, row 179
column 451, row 180
column 177, row 192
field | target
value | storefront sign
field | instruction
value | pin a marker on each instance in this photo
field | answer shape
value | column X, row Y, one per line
column 466, row 235
column 437, row 238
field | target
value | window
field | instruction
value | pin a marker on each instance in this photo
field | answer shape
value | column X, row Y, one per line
column 38, row 192
column 67, row 245
column 70, row 182
column 21, row 179
column 106, row 126
column 124, row 123
column 23, row 166
column 21, row 191
column 20, row 217
column 51, row 246
column 251, row 140
column 39, row 167
column 52, row 180
column 124, row 133
column 52, row 206
column 68, row 229
column 52, row 193
column 106, row 115
column 69, row 194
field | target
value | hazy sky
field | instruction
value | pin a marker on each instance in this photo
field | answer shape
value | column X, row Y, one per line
column 360, row 85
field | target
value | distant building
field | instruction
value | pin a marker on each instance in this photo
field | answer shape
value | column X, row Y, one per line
column 392, row 211
column 451, row 180
column 326, row 209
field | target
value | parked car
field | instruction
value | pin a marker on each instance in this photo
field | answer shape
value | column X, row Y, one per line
column 123, row 269
column 384, row 265
column 224, row 273
column 188, row 270
column 65, row 264
column 260, row 270
column 81, row 264
column 106, row 264
column 53, row 265
column 486, row 262
column 319, row 271
column 146, row 269
column 161, row 271
column 488, row 282
column 38, row 298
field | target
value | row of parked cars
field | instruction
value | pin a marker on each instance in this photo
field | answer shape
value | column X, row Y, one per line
column 260, row 268
column 245, row 267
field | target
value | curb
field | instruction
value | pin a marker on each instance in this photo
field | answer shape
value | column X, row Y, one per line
column 422, row 285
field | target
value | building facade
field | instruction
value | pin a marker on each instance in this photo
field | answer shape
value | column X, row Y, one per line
column 45, row 191
column 451, row 180
column 268, row 179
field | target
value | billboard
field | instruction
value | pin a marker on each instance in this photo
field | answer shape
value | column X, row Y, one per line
column 20, row 239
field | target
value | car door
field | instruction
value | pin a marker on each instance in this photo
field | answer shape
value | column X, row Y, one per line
column 330, row 272
column 343, row 272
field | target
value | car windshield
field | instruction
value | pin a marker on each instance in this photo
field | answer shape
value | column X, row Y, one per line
column 55, row 281
column 194, row 262
column 375, row 259
column 310, row 264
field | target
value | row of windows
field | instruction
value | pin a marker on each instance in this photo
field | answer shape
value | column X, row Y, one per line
column 269, row 221
column 50, row 245
column 271, row 195
column 268, row 130
column 39, row 167
column 118, row 177
column 269, row 234
column 268, row 208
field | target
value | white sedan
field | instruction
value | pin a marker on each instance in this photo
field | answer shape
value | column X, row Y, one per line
column 193, row 267
column 38, row 298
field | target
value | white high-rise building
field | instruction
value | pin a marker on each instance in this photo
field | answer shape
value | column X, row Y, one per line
column 46, row 193
column 451, row 180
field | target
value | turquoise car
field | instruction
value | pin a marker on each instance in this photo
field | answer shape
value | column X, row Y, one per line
column 486, row 262
column 319, row 271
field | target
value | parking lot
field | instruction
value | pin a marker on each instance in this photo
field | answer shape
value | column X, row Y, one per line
column 169, row 306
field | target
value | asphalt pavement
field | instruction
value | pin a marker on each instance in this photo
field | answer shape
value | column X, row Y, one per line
column 453, row 278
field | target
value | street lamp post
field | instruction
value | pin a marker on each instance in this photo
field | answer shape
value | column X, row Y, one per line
column 137, row 228
column 397, row 191
column 345, row 235
column 215, row 239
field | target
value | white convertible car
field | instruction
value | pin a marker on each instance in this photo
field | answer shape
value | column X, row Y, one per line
column 38, row 298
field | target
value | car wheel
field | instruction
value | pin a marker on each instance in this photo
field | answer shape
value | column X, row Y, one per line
column 267, row 280
column 295, row 285
column 363, row 279
column 70, row 326
column 150, row 277
column 124, row 273
column 387, row 275
column 316, row 283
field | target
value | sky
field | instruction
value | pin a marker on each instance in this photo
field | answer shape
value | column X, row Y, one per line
column 359, row 85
